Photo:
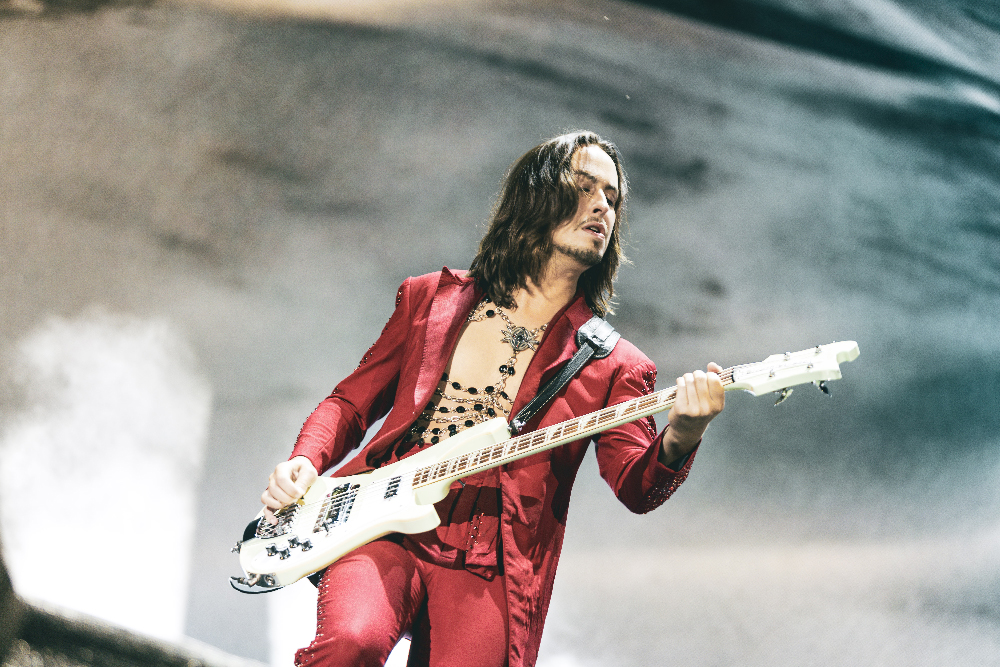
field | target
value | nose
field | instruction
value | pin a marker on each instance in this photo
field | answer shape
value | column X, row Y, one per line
column 600, row 203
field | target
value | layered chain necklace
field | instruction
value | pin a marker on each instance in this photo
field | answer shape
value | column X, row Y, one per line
column 475, row 405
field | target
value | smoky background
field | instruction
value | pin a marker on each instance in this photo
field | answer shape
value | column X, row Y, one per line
column 206, row 212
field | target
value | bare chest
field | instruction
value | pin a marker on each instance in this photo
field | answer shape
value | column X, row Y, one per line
column 482, row 377
column 487, row 354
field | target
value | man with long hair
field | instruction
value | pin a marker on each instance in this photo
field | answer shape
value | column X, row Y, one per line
column 459, row 349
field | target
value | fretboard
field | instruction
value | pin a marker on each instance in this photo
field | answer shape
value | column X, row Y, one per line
column 518, row 447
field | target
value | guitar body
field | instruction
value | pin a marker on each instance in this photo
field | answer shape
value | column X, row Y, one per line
column 339, row 514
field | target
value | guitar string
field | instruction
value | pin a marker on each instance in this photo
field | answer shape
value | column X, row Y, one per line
column 518, row 444
column 499, row 451
column 469, row 463
column 600, row 418
column 513, row 445
column 474, row 459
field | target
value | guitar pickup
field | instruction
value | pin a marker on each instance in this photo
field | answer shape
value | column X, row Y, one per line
column 336, row 507
column 392, row 488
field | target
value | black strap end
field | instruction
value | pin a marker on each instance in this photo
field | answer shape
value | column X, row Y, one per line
column 600, row 335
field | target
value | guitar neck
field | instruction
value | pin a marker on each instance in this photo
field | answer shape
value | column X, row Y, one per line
column 491, row 456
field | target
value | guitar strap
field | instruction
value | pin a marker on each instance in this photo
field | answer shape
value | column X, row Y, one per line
column 594, row 339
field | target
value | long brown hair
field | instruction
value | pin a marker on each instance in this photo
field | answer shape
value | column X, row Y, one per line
column 539, row 192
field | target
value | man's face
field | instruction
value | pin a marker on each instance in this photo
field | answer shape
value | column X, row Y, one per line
column 583, row 237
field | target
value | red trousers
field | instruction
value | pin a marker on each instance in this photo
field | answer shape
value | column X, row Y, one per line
column 370, row 598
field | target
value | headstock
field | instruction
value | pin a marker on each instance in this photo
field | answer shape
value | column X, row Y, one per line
column 780, row 372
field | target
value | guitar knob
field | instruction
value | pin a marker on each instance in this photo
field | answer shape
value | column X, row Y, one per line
column 822, row 386
column 271, row 550
column 284, row 553
column 307, row 545
column 293, row 541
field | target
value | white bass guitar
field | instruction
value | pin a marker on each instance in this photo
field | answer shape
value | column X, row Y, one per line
column 339, row 514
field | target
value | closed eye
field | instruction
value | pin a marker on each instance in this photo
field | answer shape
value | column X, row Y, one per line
column 587, row 183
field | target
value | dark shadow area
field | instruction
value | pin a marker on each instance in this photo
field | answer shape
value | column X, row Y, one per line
column 785, row 26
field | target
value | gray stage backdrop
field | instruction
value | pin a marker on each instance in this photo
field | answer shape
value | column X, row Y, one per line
column 237, row 199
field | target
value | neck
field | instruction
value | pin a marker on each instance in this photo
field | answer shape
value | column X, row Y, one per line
column 539, row 302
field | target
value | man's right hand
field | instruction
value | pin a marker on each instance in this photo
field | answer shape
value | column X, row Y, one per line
column 289, row 482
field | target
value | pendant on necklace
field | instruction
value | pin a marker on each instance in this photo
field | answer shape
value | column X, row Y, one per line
column 519, row 338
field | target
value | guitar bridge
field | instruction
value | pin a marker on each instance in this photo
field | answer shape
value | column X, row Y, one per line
column 285, row 516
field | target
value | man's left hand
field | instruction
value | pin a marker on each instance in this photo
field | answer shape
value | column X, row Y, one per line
column 700, row 397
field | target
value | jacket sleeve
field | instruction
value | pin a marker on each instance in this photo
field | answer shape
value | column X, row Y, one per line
column 339, row 423
column 627, row 455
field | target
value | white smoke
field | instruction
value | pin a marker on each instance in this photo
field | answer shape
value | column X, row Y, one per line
column 291, row 621
column 917, row 602
column 99, row 468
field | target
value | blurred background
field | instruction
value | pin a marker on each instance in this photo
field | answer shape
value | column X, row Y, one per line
column 207, row 209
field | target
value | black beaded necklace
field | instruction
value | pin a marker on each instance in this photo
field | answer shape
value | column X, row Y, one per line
column 437, row 421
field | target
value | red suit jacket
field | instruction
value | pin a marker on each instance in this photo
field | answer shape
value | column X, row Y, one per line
column 402, row 369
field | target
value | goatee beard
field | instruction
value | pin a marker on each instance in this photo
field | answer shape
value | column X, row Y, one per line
column 587, row 257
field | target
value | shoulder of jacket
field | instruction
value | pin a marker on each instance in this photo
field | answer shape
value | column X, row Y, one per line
column 627, row 355
column 434, row 278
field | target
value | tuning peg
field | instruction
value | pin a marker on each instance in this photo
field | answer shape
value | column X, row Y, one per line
column 822, row 386
column 783, row 394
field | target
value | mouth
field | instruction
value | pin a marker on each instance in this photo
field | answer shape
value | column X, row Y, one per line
column 597, row 228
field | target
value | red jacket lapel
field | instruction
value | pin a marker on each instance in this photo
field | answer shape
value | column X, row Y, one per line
column 455, row 297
